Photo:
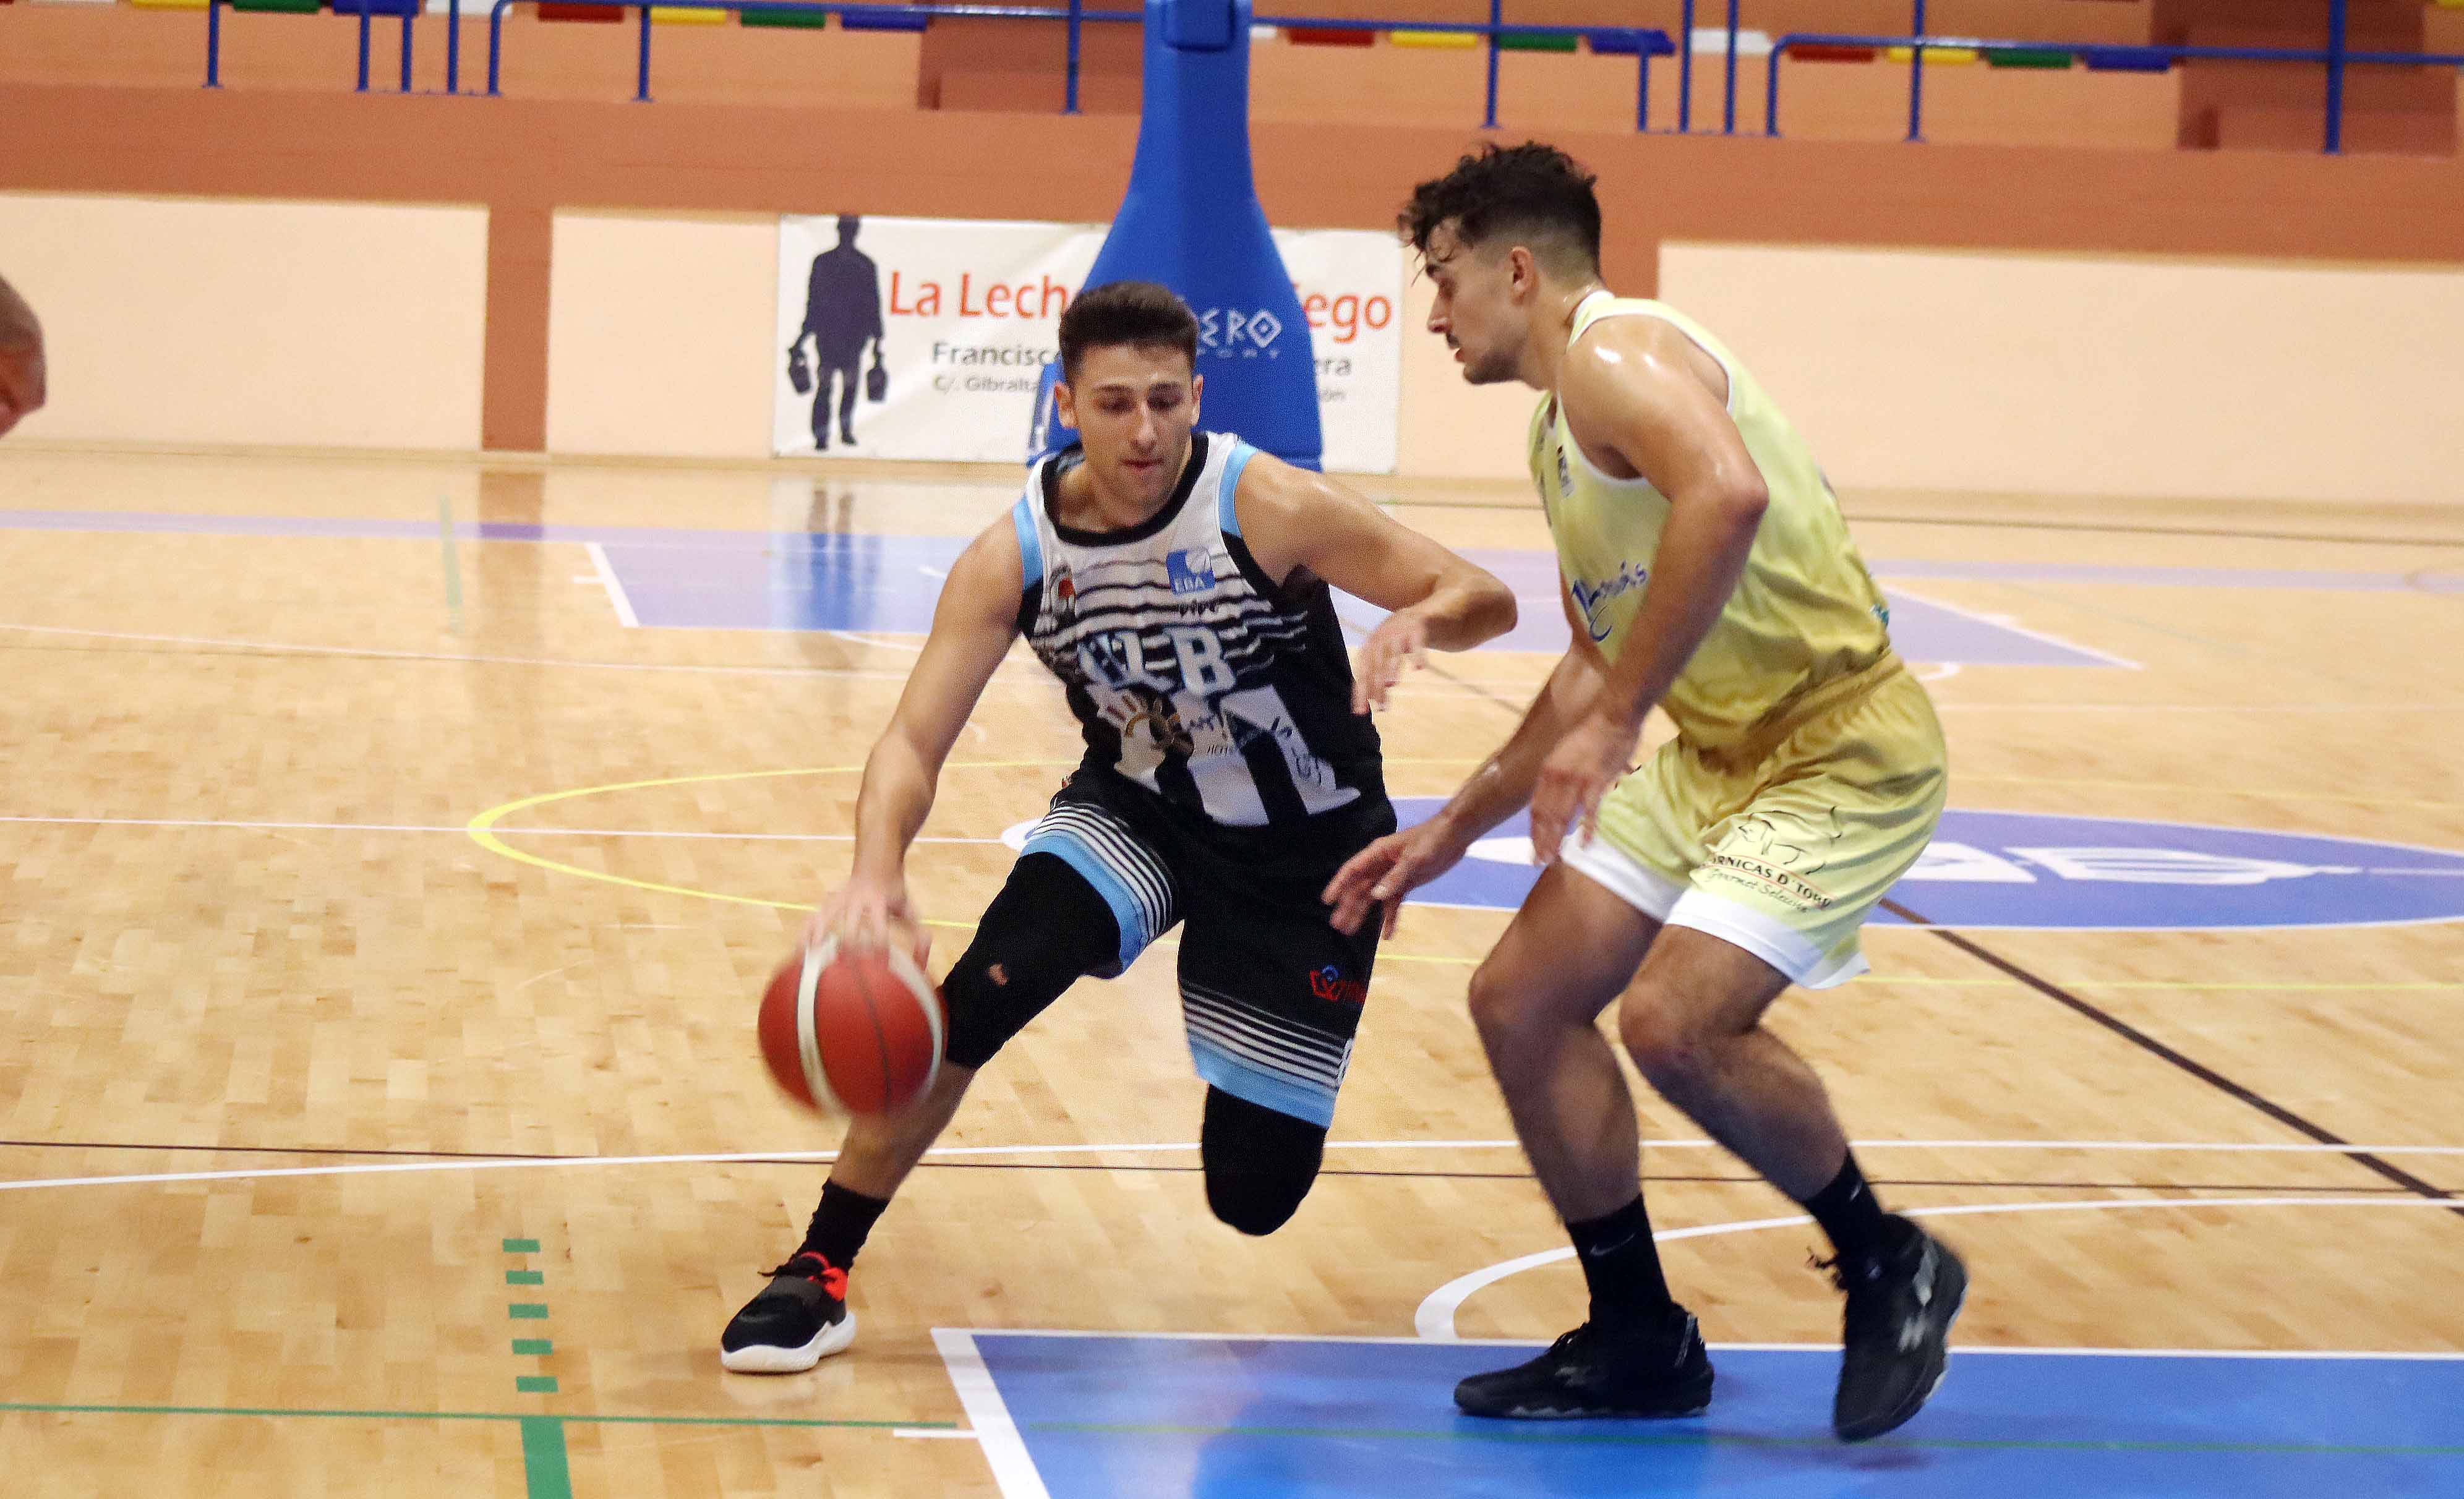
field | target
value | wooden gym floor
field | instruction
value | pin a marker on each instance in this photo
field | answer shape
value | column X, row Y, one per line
column 380, row 1113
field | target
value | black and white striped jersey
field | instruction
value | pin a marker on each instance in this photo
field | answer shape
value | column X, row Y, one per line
column 1192, row 672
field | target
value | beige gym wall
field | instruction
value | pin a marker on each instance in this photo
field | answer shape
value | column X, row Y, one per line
column 2099, row 375
column 659, row 335
column 237, row 322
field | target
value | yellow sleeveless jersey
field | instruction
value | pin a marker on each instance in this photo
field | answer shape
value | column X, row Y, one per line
column 1805, row 614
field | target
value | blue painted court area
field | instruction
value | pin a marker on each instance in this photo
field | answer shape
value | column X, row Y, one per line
column 707, row 578
column 888, row 584
column 2054, row 871
column 1234, row 1418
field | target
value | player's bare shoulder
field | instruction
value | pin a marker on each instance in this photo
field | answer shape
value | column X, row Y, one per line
column 1623, row 358
column 1279, row 507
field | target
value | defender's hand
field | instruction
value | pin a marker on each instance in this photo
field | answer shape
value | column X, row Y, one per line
column 1393, row 648
column 1578, row 772
column 1388, row 869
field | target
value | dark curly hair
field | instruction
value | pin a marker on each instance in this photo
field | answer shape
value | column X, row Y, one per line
column 1532, row 192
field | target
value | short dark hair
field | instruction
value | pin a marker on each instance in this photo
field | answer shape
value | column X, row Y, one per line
column 1530, row 190
column 1137, row 313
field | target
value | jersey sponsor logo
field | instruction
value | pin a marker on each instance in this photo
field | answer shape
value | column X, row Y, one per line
column 1329, row 984
column 1147, row 714
column 1594, row 599
column 1192, row 571
column 1118, row 659
column 2029, row 870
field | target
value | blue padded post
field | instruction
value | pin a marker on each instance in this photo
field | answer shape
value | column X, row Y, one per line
column 1192, row 221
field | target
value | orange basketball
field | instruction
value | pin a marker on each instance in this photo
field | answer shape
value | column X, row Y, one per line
column 853, row 1032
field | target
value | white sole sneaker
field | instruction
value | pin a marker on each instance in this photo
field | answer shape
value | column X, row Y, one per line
column 769, row 1359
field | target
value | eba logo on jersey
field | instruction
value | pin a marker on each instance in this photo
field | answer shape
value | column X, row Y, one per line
column 1191, row 571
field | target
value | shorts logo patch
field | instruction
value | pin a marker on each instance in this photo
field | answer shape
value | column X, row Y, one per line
column 1329, row 984
column 1775, row 852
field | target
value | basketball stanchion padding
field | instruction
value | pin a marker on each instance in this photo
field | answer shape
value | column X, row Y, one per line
column 1191, row 220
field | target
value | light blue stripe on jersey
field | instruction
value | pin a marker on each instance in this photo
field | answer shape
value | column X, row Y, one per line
column 1127, row 914
column 1221, row 1068
column 1226, row 515
column 1030, row 549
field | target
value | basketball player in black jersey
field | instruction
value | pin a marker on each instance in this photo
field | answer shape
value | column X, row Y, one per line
column 1177, row 580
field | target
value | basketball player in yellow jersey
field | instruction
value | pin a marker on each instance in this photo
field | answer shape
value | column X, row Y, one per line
column 1706, row 573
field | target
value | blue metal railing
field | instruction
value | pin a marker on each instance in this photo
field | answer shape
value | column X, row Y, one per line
column 1645, row 43
column 2334, row 54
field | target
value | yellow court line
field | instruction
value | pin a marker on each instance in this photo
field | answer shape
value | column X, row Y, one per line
column 482, row 831
column 482, row 827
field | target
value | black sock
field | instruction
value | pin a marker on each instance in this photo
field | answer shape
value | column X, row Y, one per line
column 841, row 1223
column 1850, row 1214
column 1621, row 1265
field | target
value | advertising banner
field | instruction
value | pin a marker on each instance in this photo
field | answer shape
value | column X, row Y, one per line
column 924, row 338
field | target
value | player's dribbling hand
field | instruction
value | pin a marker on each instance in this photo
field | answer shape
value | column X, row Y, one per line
column 869, row 914
column 1387, row 870
column 1594, row 757
column 1400, row 643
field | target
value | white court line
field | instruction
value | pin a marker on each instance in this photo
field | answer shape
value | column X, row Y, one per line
column 459, row 658
column 614, row 585
column 1434, row 1317
column 1013, row 1471
column 2005, row 621
column 931, row 1434
column 458, row 827
column 911, row 648
column 2023, row 1350
column 777, row 1156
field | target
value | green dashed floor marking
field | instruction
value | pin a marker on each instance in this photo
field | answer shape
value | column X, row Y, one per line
column 543, row 1463
column 546, row 1474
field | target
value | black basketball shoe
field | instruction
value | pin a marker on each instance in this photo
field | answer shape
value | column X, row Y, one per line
column 1659, row 1371
column 798, row 1320
column 1901, row 1305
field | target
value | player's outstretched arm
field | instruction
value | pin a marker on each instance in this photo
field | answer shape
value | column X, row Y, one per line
column 1630, row 386
column 22, row 373
column 973, row 626
column 1392, row 867
column 1292, row 518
